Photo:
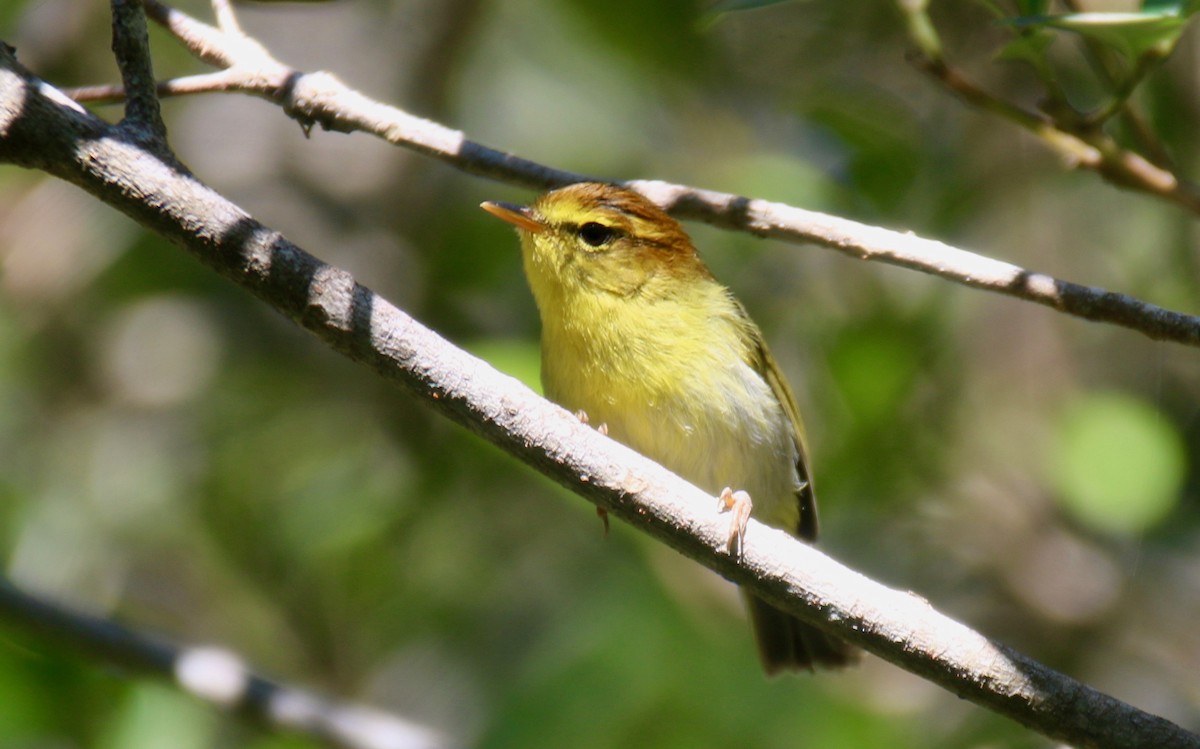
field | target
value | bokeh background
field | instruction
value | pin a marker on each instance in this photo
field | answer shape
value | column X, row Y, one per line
column 176, row 456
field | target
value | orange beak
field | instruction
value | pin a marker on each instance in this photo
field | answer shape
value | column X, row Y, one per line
column 517, row 215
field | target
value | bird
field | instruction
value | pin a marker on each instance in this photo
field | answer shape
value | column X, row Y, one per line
column 638, row 335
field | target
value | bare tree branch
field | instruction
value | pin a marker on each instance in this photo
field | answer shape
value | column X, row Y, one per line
column 214, row 675
column 131, row 46
column 320, row 98
column 204, row 83
column 40, row 129
column 226, row 18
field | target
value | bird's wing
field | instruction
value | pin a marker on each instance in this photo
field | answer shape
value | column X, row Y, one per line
column 760, row 358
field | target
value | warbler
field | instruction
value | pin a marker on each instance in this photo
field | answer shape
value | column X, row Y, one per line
column 639, row 335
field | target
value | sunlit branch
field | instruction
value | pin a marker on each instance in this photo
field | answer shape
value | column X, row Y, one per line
column 321, row 99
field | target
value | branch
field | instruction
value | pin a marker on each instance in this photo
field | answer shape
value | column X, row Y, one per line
column 215, row 676
column 40, row 130
column 1100, row 60
column 131, row 47
column 1094, row 150
column 320, row 98
column 1084, row 146
column 206, row 83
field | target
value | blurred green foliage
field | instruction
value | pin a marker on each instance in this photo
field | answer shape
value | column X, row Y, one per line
column 1119, row 464
column 180, row 459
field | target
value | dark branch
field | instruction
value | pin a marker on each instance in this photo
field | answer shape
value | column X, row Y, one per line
column 213, row 675
column 131, row 47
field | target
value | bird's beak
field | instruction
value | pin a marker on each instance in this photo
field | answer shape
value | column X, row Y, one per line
column 518, row 215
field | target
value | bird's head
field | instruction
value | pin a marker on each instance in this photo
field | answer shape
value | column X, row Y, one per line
column 592, row 238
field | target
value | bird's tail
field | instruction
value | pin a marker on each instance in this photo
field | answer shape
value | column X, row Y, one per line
column 787, row 644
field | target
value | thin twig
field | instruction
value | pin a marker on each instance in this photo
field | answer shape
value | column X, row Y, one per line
column 1098, row 58
column 1094, row 150
column 40, row 131
column 214, row 675
column 320, row 98
column 937, row 258
column 204, row 83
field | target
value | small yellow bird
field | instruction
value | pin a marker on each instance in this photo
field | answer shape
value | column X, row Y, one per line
column 637, row 334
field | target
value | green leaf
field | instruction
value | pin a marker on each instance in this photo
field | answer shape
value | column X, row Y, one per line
column 1119, row 465
column 1176, row 7
column 1134, row 35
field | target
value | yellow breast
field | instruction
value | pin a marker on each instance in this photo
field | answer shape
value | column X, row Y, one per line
column 672, row 380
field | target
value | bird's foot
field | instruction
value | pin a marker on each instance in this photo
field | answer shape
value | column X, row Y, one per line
column 740, row 505
column 603, row 515
column 583, row 419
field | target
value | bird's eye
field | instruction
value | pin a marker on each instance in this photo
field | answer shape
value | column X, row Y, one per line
column 596, row 234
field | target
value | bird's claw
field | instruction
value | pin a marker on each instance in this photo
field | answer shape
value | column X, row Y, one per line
column 583, row 419
column 740, row 505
